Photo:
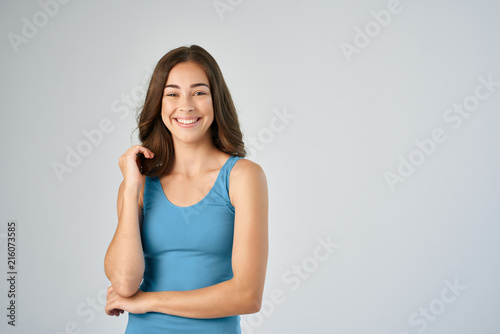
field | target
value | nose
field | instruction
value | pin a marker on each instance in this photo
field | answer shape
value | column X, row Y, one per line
column 186, row 104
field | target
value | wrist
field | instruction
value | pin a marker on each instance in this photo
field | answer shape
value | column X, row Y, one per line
column 131, row 188
column 150, row 301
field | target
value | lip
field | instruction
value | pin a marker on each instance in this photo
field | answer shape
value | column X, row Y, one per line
column 187, row 125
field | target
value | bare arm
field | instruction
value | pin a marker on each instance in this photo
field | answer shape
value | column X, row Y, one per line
column 124, row 261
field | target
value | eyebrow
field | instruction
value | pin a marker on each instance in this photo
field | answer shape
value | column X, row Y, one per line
column 192, row 86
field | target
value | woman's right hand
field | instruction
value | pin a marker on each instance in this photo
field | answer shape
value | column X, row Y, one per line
column 130, row 164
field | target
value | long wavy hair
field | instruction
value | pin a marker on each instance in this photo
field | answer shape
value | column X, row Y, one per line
column 153, row 133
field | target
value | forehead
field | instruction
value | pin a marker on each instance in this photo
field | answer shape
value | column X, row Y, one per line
column 187, row 72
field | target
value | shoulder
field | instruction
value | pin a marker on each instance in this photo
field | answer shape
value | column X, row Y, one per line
column 246, row 168
column 247, row 178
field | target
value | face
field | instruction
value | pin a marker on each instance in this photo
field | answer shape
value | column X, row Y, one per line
column 187, row 109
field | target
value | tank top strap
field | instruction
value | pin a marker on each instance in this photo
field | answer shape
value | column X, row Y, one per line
column 221, row 186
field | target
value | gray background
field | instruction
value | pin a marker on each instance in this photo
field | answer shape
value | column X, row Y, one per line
column 351, row 121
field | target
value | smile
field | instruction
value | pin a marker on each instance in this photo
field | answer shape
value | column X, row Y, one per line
column 187, row 121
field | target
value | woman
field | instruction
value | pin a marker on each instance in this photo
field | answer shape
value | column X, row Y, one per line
column 189, row 254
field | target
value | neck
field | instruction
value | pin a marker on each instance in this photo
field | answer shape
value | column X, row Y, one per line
column 195, row 158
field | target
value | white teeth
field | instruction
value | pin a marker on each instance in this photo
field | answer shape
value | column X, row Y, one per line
column 187, row 121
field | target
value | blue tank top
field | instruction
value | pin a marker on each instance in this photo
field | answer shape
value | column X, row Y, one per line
column 186, row 248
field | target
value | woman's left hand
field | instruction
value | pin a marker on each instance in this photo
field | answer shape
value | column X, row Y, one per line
column 116, row 304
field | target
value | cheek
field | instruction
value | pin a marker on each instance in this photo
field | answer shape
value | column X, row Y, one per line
column 208, row 107
column 165, row 116
column 166, row 108
column 165, row 105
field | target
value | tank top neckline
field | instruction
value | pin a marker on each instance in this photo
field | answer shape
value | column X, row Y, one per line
column 206, row 196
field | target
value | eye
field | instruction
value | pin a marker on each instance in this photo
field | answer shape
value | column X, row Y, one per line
column 170, row 94
column 200, row 93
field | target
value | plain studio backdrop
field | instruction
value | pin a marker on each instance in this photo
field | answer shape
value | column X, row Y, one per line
column 376, row 122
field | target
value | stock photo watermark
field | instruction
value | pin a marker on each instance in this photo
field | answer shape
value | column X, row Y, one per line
column 31, row 27
column 3, row 237
column 12, row 271
column 363, row 37
column 276, row 124
column 86, row 311
column 421, row 319
column 223, row 6
column 452, row 116
column 122, row 107
column 293, row 278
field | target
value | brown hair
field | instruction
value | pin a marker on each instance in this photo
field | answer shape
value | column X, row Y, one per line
column 153, row 133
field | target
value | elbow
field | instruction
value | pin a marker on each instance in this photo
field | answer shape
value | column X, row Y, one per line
column 249, row 294
column 125, row 288
column 124, row 285
column 253, row 303
column 124, row 291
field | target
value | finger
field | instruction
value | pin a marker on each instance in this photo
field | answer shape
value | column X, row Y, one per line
column 108, row 309
column 141, row 149
column 110, row 294
column 114, row 302
column 108, row 306
column 117, row 312
column 148, row 151
column 111, row 309
column 112, row 298
column 136, row 149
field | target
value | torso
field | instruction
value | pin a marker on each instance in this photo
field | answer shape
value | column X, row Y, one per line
column 182, row 191
column 197, row 241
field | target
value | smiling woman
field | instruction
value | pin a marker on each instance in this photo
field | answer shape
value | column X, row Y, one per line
column 182, row 98
column 189, row 254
